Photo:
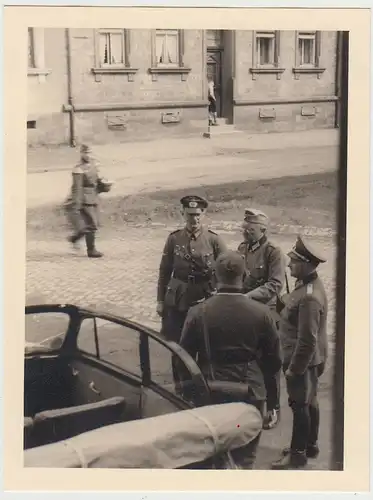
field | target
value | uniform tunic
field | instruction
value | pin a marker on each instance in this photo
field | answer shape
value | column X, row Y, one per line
column 305, row 348
column 265, row 271
column 241, row 333
column 83, row 201
column 186, row 274
column 303, row 325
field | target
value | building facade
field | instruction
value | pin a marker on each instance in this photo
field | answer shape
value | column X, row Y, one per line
column 104, row 85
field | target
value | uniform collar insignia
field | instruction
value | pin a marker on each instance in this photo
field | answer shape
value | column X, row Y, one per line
column 258, row 243
column 308, row 279
column 311, row 277
column 194, row 234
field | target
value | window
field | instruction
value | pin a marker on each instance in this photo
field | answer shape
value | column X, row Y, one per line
column 167, row 47
column 307, row 53
column 36, row 54
column 112, row 48
column 47, row 328
column 214, row 38
column 168, row 53
column 266, row 53
column 306, row 48
column 112, row 53
column 165, row 371
column 265, row 48
column 31, row 48
column 111, row 343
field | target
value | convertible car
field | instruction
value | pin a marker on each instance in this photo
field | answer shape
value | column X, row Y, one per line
column 100, row 386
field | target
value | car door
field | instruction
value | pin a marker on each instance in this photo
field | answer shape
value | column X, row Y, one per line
column 117, row 357
column 173, row 381
column 106, row 363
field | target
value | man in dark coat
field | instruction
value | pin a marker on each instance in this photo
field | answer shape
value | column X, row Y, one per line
column 82, row 205
column 186, row 272
column 263, row 282
column 305, row 348
column 240, row 333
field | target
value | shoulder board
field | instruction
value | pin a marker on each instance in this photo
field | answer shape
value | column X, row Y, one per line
column 78, row 170
column 175, row 232
column 271, row 245
column 309, row 289
column 212, row 232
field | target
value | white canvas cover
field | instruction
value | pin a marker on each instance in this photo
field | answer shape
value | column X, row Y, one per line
column 166, row 442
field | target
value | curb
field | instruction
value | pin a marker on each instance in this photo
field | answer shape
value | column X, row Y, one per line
column 233, row 227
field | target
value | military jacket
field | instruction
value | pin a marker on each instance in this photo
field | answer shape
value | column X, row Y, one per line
column 243, row 337
column 265, row 271
column 84, row 189
column 186, row 271
column 303, row 325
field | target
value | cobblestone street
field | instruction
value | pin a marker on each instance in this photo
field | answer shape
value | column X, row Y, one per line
column 124, row 282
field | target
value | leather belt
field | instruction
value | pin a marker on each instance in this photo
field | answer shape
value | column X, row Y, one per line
column 192, row 279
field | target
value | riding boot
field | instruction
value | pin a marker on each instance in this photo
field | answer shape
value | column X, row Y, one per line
column 91, row 249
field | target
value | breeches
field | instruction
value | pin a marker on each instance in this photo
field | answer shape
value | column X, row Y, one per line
column 84, row 220
column 302, row 396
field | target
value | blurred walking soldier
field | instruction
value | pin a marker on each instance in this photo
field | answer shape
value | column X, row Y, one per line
column 305, row 348
column 263, row 282
column 186, row 272
column 82, row 205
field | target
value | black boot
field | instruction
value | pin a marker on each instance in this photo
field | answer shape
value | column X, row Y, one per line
column 74, row 239
column 91, row 249
column 291, row 460
column 312, row 451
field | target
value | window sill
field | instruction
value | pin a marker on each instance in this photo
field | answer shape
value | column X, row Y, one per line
column 169, row 70
column 41, row 73
column 312, row 70
column 119, row 70
column 269, row 70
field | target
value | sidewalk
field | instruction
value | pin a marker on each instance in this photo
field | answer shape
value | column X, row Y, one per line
column 61, row 158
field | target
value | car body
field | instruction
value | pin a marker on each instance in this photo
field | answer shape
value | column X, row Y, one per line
column 86, row 370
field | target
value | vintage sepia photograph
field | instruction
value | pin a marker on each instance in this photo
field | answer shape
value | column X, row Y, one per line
column 185, row 254
column 186, row 244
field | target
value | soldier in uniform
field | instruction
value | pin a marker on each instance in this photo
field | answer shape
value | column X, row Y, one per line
column 263, row 281
column 82, row 205
column 240, row 331
column 186, row 272
column 304, row 345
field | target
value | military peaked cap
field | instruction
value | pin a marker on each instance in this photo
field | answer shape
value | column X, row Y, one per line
column 85, row 148
column 303, row 251
column 194, row 204
column 255, row 216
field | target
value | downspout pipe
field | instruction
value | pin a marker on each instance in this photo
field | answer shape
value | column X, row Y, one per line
column 72, row 141
column 338, row 77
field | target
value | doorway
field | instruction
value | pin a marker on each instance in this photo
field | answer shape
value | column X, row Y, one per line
column 219, row 66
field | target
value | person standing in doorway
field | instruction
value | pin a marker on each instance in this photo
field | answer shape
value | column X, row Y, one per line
column 212, row 101
column 263, row 282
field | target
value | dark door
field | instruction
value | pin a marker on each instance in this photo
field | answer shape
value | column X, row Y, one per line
column 214, row 70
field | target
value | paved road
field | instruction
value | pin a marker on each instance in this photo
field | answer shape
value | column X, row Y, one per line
column 125, row 282
column 230, row 165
